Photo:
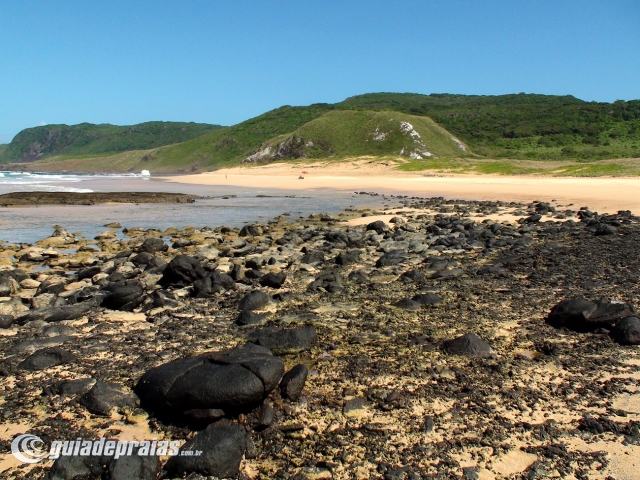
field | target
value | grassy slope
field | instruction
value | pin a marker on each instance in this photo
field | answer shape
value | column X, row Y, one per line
column 540, row 127
column 95, row 140
column 353, row 133
column 230, row 146
column 537, row 127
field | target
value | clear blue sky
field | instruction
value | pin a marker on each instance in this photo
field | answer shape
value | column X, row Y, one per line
column 125, row 62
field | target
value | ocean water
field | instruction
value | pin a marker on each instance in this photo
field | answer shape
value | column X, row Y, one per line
column 242, row 205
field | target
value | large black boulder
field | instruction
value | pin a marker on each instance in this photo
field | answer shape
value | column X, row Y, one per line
column 152, row 245
column 571, row 313
column 285, row 340
column 182, row 271
column 214, row 282
column 273, row 280
column 123, row 295
column 46, row 358
column 394, row 257
column 254, row 301
column 378, row 226
column 627, row 332
column 222, row 445
column 469, row 345
column 582, row 315
column 212, row 384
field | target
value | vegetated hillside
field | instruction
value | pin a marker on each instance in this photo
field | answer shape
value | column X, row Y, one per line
column 93, row 140
column 356, row 133
column 233, row 144
column 524, row 125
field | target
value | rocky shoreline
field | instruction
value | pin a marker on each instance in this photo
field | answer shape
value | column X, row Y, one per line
column 456, row 339
column 24, row 199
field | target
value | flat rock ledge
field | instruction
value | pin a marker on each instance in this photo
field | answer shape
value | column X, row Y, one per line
column 23, row 199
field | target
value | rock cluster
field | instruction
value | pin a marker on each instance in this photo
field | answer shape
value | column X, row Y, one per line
column 324, row 350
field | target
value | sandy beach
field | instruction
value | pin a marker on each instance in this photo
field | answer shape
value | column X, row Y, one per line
column 602, row 194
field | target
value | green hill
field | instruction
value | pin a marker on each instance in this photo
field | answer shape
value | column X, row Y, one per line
column 342, row 133
column 523, row 126
column 89, row 139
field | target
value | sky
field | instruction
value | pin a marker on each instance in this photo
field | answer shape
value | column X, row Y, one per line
column 223, row 62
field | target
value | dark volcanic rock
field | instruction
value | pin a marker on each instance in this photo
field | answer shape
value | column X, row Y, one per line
column 76, row 198
column 571, row 313
column 150, row 261
column 254, row 301
column 427, row 298
column 328, row 281
column 124, row 296
column 414, row 276
column 394, row 257
column 76, row 467
column 469, row 345
column 249, row 231
column 152, row 245
column 104, row 396
column 128, row 467
column 222, row 448
column 247, row 317
column 183, row 270
column 293, row 382
column 407, row 304
column 56, row 314
column 312, row 258
column 88, row 272
column 71, row 388
column 6, row 321
column 379, row 226
column 583, row 315
column 228, row 380
column 347, row 258
column 627, row 332
column 273, row 280
column 214, row 282
column 285, row 340
column 46, row 358
column 611, row 313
